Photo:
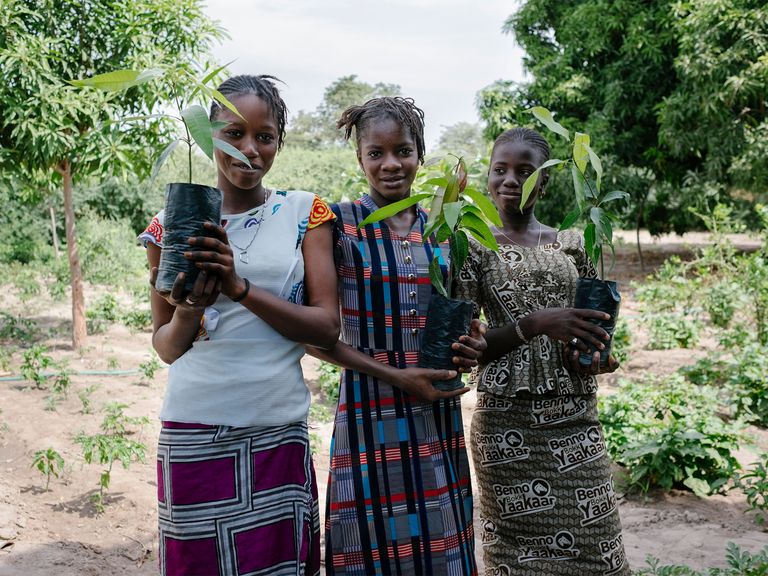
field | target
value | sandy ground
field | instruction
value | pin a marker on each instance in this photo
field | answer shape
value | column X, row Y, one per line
column 58, row 532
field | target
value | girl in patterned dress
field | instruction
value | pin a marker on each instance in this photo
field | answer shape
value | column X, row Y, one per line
column 236, row 485
column 547, row 499
column 399, row 498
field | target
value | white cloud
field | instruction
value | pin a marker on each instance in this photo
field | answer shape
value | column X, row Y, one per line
column 440, row 53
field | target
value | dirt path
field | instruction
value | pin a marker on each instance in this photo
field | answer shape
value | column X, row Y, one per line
column 59, row 533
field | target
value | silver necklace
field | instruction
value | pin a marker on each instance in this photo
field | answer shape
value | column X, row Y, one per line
column 538, row 242
column 243, row 255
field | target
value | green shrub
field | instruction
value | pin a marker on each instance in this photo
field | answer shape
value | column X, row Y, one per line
column 49, row 463
column 109, row 253
column 33, row 367
column 668, row 435
column 706, row 372
column 25, row 279
column 621, row 341
column 671, row 330
column 17, row 328
column 740, row 563
column 721, row 301
column 329, row 375
column 754, row 483
column 137, row 319
column 105, row 311
column 748, row 383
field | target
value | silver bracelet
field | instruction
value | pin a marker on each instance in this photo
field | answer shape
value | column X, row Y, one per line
column 519, row 332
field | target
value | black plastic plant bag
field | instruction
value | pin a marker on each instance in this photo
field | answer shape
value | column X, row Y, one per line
column 447, row 319
column 187, row 207
column 602, row 295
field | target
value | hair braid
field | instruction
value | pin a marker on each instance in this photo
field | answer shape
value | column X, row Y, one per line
column 261, row 86
column 524, row 135
column 402, row 110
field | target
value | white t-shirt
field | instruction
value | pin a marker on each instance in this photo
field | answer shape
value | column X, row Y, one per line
column 240, row 371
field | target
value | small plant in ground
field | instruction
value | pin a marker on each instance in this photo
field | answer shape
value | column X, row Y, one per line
column 35, row 362
column 49, row 463
column 62, row 380
column 17, row 328
column 740, row 563
column 748, row 383
column 329, row 375
column 6, row 357
column 671, row 330
column 754, row 483
column 622, row 339
column 113, row 363
column 319, row 413
column 706, row 372
column 721, row 302
column 85, row 397
column 113, row 444
column 137, row 319
column 668, row 435
column 104, row 312
column 149, row 368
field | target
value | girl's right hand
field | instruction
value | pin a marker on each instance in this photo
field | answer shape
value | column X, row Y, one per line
column 570, row 325
column 418, row 382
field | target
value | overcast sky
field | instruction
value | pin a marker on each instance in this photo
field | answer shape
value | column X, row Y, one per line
column 440, row 52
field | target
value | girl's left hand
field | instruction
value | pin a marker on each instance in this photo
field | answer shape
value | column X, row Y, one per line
column 470, row 347
column 216, row 259
column 571, row 361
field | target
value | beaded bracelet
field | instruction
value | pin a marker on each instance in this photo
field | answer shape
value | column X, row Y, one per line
column 519, row 332
column 245, row 292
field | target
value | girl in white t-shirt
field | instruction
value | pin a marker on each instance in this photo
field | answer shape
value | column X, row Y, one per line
column 236, row 486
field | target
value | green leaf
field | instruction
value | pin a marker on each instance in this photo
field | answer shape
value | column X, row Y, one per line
column 118, row 80
column 699, row 487
column 528, row 187
column 580, row 154
column 436, row 276
column 570, row 219
column 443, row 233
column 451, row 190
column 594, row 159
column 480, row 230
column 545, row 117
column 459, row 250
column 452, row 210
column 199, row 126
column 429, row 229
column 578, row 187
column 615, row 195
column 590, row 245
column 162, row 158
column 227, row 148
column 392, row 209
column 217, row 125
column 221, row 99
column 436, row 181
column 211, row 75
column 484, row 203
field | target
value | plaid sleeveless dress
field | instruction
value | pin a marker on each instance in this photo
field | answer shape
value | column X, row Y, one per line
column 399, row 498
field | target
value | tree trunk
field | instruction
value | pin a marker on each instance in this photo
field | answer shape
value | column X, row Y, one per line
column 54, row 234
column 79, row 332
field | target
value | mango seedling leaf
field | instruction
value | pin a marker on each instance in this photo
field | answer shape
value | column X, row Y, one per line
column 545, row 117
column 221, row 99
column 459, row 250
column 443, row 233
column 614, row 195
column 452, row 210
column 393, row 209
column 436, row 276
column 118, row 80
column 162, row 158
column 485, row 205
column 580, row 154
column 480, row 230
column 211, row 75
column 578, row 187
column 597, row 165
column 217, row 125
column 570, row 219
column 227, row 148
column 528, row 187
column 438, row 224
column 436, row 181
column 199, row 126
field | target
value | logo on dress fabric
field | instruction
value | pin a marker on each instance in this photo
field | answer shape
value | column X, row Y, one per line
column 523, row 499
column 596, row 502
column 557, row 409
column 490, row 403
column 577, row 449
column 488, row 535
column 499, row 448
column 560, row 546
column 613, row 555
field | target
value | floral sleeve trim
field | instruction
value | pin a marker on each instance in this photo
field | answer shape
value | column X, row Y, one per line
column 319, row 214
column 153, row 233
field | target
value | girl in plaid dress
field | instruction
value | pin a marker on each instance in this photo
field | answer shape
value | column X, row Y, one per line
column 399, row 499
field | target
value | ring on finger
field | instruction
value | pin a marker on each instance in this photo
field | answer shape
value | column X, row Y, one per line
column 573, row 341
column 190, row 302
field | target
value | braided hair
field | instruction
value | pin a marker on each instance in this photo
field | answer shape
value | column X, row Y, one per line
column 261, row 86
column 524, row 135
column 402, row 110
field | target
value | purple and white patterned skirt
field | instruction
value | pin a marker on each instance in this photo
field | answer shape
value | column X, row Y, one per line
column 237, row 501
